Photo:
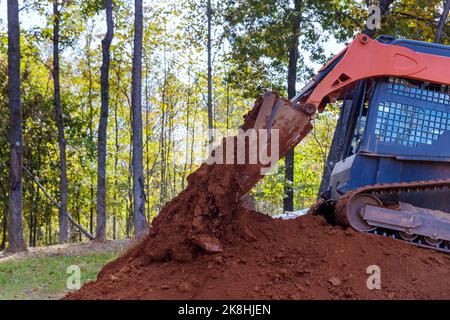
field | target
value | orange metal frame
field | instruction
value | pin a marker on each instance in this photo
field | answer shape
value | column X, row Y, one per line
column 366, row 58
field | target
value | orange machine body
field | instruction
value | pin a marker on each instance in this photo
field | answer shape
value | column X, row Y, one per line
column 366, row 58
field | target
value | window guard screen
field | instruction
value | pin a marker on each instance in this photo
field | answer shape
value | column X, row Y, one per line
column 410, row 125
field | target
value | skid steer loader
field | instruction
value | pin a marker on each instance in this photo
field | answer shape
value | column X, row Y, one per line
column 394, row 175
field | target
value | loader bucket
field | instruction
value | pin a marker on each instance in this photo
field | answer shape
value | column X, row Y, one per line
column 286, row 127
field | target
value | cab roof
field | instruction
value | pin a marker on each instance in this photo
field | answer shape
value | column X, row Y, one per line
column 418, row 46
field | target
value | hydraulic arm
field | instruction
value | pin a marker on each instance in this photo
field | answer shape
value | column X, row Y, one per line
column 366, row 58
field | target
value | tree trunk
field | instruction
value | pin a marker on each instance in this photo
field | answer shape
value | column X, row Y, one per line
column 16, row 240
column 116, row 161
column 47, row 222
column 210, row 109
column 228, row 106
column 130, row 189
column 170, row 150
column 38, row 193
column 288, row 203
column 35, row 229
column 78, row 212
column 101, row 173
column 91, row 130
column 63, row 225
column 30, row 219
column 50, row 229
column 140, row 222
column 442, row 21
column 187, row 123
column 147, row 138
column 194, row 120
column 4, row 225
column 162, row 143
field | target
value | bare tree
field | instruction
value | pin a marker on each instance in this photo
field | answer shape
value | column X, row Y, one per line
column 4, row 225
column 442, row 21
column 63, row 225
column 90, row 102
column 140, row 222
column 209, row 45
column 288, row 203
column 103, row 124
column 116, row 155
column 15, row 228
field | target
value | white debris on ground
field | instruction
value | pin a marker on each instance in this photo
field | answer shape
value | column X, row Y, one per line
column 287, row 215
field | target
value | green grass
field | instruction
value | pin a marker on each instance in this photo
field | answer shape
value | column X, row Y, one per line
column 45, row 277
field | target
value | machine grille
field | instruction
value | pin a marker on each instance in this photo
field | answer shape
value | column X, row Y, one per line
column 410, row 125
column 432, row 93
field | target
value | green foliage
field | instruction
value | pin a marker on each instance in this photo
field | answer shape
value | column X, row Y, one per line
column 45, row 277
column 260, row 33
column 415, row 19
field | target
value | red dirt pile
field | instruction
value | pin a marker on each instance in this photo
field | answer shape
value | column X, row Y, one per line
column 204, row 244
column 280, row 259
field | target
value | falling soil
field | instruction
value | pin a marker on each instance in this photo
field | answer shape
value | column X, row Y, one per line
column 207, row 243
